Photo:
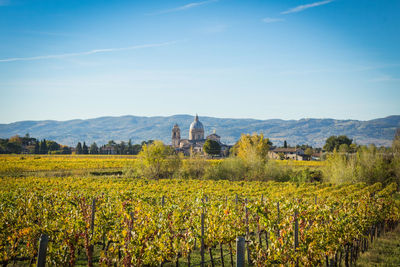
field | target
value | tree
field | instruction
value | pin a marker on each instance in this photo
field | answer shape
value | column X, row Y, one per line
column 396, row 141
column 367, row 165
column 85, row 149
column 52, row 145
column 148, row 142
column 285, row 144
column 122, row 148
column 130, row 147
column 78, row 149
column 252, row 147
column 353, row 148
column 15, row 139
column 13, row 147
column 212, row 147
column 309, row 151
column 43, row 147
column 66, row 150
column 157, row 161
column 334, row 142
column 37, row 147
column 94, row 149
column 136, row 149
column 343, row 148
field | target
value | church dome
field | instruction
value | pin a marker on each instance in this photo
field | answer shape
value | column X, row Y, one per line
column 196, row 131
column 196, row 124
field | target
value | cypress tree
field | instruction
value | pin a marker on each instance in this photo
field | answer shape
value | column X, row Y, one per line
column 94, row 149
column 130, row 147
column 37, row 147
column 43, row 147
column 85, row 149
column 78, row 149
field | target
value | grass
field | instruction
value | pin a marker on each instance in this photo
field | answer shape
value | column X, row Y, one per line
column 385, row 251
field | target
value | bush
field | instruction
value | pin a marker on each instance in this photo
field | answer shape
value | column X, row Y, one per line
column 193, row 168
column 157, row 161
column 232, row 169
column 368, row 165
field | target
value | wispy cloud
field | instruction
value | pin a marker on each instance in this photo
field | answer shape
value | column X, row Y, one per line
column 304, row 7
column 91, row 52
column 272, row 20
column 184, row 7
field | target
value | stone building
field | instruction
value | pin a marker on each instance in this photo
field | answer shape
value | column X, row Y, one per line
column 287, row 153
column 196, row 139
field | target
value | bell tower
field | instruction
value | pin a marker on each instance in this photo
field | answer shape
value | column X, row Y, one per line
column 176, row 136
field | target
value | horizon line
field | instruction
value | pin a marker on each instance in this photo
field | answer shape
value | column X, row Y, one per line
column 167, row 116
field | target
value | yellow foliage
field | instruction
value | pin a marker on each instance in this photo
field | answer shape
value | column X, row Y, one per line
column 252, row 147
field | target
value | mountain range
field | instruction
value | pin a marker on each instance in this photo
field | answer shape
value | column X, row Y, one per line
column 304, row 131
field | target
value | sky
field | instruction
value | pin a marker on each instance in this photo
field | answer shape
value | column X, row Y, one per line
column 286, row 59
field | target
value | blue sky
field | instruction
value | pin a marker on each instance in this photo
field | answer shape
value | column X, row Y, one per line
column 68, row 59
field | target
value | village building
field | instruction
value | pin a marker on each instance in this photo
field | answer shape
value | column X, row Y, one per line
column 196, row 139
column 287, row 153
column 108, row 149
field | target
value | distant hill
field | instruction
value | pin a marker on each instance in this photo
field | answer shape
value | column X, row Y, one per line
column 304, row 131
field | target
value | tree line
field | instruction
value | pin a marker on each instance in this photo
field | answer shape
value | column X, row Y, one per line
column 111, row 148
column 31, row 145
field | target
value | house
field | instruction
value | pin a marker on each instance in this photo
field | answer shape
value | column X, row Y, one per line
column 108, row 149
column 287, row 153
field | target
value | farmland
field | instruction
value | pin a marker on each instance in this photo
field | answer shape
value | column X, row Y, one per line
column 56, row 165
column 121, row 220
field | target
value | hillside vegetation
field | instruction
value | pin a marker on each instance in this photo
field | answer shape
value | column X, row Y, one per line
column 305, row 131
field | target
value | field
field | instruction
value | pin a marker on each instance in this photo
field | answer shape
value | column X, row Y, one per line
column 109, row 219
column 33, row 163
column 25, row 164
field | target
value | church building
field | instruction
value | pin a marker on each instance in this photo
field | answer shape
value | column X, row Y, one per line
column 196, row 139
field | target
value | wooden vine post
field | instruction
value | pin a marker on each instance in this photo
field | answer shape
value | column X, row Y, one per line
column 91, row 246
column 278, row 219
column 240, row 251
column 247, row 231
column 93, row 215
column 296, row 236
column 202, row 241
column 43, row 241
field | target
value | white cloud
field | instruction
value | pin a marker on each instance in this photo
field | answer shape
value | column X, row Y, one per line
column 94, row 51
column 184, row 7
column 304, row 7
column 272, row 20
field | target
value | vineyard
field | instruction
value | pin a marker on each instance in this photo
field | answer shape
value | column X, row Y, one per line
column 137, row 222
column 34, row 163
column 12, row 164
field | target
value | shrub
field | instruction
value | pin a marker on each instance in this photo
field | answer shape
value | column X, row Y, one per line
column 157, row 161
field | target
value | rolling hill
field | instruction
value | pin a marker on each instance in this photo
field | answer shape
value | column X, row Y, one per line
column 304, row 131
